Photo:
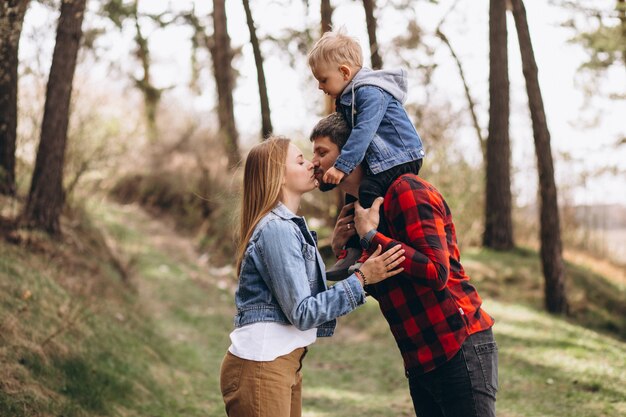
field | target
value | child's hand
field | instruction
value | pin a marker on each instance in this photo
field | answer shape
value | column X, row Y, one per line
column 333, row 176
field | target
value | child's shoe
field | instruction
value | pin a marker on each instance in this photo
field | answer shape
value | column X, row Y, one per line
column 340, row 270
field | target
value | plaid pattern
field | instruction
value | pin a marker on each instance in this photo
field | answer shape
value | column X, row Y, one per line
column 431, row 307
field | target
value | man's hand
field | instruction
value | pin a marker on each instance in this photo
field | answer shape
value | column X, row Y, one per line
column 333, row 176
column 344, row 229
column 367, row 219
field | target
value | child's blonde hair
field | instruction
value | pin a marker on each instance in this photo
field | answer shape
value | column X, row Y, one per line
column 336, row 47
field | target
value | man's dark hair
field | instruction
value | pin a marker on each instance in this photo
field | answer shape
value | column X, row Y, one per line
column 335, row 127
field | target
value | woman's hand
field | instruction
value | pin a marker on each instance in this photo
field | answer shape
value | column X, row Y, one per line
column 379, row 267
column 344, row 229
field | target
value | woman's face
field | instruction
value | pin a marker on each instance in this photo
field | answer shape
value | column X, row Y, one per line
column 299, row 175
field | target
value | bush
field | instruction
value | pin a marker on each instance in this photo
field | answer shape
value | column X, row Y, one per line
column 197, row 203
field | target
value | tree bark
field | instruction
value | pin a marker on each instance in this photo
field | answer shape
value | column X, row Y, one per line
column 119, row 12
column 151, row 94
column 222, row 60
column 370, row 6
column 621, row 11
column 266, row 121
column 46, row 196
column 498, row 200
column 551, row 245
column 326, row 14
column 12, row 14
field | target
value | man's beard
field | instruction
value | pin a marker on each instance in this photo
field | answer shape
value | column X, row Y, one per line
column 324, row 186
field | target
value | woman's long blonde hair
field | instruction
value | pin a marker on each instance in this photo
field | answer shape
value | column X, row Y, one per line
column 262, row 181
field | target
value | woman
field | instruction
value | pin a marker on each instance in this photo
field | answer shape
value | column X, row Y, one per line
column 282, row 300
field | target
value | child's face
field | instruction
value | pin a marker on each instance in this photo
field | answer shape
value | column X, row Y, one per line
column 332, row 78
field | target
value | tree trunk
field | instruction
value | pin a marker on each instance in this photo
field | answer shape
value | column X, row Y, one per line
column 621, row 12
column 498, row 200
column 326, row 14
column 266, row 121
column 222, row 60
column 151, row 94
column 551, row 246
column 11, row 19
column 370, row 6
column 46, row 197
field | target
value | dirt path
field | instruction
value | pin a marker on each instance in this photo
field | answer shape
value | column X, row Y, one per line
column 178, row 247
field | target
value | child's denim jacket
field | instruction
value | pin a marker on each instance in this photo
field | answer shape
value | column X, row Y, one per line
column 382, row 132
column 283, row 278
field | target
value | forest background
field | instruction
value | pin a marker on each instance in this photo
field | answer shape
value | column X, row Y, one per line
column 122, row 130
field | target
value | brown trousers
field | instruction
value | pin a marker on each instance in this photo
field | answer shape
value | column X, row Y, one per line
column 263, row 389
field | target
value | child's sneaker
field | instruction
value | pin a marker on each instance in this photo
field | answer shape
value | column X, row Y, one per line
column 340, row 270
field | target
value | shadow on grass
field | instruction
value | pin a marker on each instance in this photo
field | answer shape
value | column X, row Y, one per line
column 566, row 387
column 515, row 277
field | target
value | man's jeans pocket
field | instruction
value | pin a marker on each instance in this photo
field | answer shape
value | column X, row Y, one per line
column 487, row 354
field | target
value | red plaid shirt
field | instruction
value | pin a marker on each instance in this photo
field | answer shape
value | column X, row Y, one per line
column 431, row 307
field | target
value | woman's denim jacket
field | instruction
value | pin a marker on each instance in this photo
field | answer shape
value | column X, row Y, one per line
column 382, row 132
column 283, row 278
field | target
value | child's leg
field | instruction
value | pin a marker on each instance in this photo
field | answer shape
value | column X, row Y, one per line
column 350, row 253
column 376, row 185
column 372, row 187
column 353, row 242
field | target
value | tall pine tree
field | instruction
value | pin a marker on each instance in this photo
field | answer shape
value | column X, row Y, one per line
column 46, row 197
column 498, row 199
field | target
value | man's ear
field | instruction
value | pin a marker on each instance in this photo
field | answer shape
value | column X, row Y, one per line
column 346, row 71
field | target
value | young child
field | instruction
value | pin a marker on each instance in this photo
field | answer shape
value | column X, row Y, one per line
column 382, row 133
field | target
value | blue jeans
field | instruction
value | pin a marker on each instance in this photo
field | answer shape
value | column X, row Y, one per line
column 465, row 386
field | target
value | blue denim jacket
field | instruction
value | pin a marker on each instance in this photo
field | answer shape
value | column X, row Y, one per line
column 283, row 278
column 382, row 132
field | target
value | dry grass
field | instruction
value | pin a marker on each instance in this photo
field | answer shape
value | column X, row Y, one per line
column 155, row 347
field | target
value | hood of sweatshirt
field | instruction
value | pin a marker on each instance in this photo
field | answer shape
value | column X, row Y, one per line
column 392, row 81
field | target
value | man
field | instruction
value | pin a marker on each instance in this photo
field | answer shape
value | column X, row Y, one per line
column 434, row 313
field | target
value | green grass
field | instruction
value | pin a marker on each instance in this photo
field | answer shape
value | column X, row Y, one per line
column 140, row 349
column 548, row 367
column 515, row 277
column 85, row 342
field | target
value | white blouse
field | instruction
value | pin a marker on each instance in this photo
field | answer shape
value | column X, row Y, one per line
column 266, row 341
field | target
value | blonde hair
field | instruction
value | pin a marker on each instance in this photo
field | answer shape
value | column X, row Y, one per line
column 336, row 47
column 262, row 182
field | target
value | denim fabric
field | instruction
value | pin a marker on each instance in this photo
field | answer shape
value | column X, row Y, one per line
column 465, row 386
column 283, row 278
column 382, row 132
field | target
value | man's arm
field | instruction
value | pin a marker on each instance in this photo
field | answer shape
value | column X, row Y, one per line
column 417, row 215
